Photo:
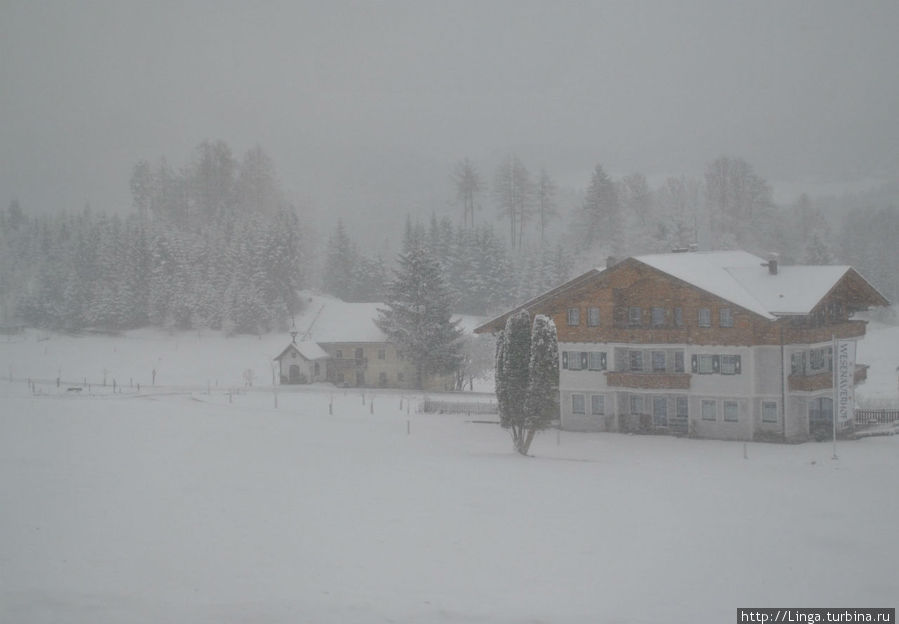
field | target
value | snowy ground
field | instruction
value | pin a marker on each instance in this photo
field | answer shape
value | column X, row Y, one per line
column 174, row 505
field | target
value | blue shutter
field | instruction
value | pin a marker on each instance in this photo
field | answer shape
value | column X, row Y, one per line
column 694, row 363
column 584, row 360
column 564, row 359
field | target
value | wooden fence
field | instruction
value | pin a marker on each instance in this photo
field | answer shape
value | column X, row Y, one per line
column 431, row 406
column 864, row 418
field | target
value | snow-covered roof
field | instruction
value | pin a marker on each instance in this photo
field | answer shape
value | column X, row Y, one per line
column 309, row 350
column 744, row 279
column 327, row 319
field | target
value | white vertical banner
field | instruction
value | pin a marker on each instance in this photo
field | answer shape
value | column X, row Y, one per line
column 844, row 382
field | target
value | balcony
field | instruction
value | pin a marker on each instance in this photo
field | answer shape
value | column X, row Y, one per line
column 654, row 381
column 821, row 381
column 824, row 333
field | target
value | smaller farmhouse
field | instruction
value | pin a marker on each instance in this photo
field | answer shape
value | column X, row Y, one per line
column 342, row 345
column 302, row 362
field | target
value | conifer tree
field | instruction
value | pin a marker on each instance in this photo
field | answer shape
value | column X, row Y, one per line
column 417, row 318
column 514, row 375
column 541, row 403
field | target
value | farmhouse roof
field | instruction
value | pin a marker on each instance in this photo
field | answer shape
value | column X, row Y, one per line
column 740, row 278
column 309, row 350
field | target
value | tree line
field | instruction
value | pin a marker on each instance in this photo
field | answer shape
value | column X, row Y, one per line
column 213, row 245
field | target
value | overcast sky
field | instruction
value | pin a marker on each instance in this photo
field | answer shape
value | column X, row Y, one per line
column 365, row 106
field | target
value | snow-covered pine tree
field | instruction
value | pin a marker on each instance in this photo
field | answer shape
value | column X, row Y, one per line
column 417, row 318
column 541, row 404
column 514, row 375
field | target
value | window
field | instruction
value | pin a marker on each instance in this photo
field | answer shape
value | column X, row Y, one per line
column 769, row 412
column 382, row 379
column 338, row 354
column 636, row 404
column 593, row 317
column 635, row 360
column 731, row 411
column 682, row 409
column 658, row 317
column 382, row 354
column 596, row 360
column 572, row 360
column 358, row 354
column 597, row 404
column 634, row 316
column 678, row 361
column 797, row 363
column 709, row 409
column 705, row 317
column 820, row 411
column 574, row 316
column 658, row 361
column 725, row 317
column 660, row 412
column 678, row 317
column 400, row 377
column 577, row 404
column 706, row 364
column 819, row 360
column 730, row 364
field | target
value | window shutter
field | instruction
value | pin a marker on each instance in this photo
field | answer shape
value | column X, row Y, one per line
column 716, row 363
column 602, row 360
column 738, row 364
column 584, row 362
column 564, row 359
column 694, row 363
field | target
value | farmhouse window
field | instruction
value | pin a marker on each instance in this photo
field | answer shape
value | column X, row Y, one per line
column 577, row 404
column 339, row 354
column 709, row 409
column 658, row 361
column 705, row 317
column 730, row 365
column 678, row 317
column 769, row 412
column 636, row 404
column 382, row 354
column 635, row 360
column 597, row 404
column 797, row 363
column 593, row 317
column 658, row 317
column 660, row 412
column 820, row 359
column 678, row 361
column 682, row 408
column 725, row 317
column 596, row 360
column 574, row 316
column 731, row 411
column 705, row 364
column 634, row 316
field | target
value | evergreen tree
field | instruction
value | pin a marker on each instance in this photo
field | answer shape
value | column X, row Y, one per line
column 602, row 213
column 516, row 352
column 541, row 404
column 417, row 318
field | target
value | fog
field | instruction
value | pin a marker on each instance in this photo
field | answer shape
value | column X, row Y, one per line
column 365, row 107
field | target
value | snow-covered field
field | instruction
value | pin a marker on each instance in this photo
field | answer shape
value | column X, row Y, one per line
column 185, row 504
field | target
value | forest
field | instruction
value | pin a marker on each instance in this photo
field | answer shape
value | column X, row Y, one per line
column 218, row 244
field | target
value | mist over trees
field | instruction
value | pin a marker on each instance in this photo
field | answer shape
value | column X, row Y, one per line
column 212, row 245
column 216, row 244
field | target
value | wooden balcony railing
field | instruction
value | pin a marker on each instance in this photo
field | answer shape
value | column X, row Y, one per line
column 662, row 381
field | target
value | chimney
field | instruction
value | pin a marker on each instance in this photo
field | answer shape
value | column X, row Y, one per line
column 771, row 264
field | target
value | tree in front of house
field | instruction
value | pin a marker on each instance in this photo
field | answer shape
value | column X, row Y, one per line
column 541, row 402
column 418, row 316
column 527, row 377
